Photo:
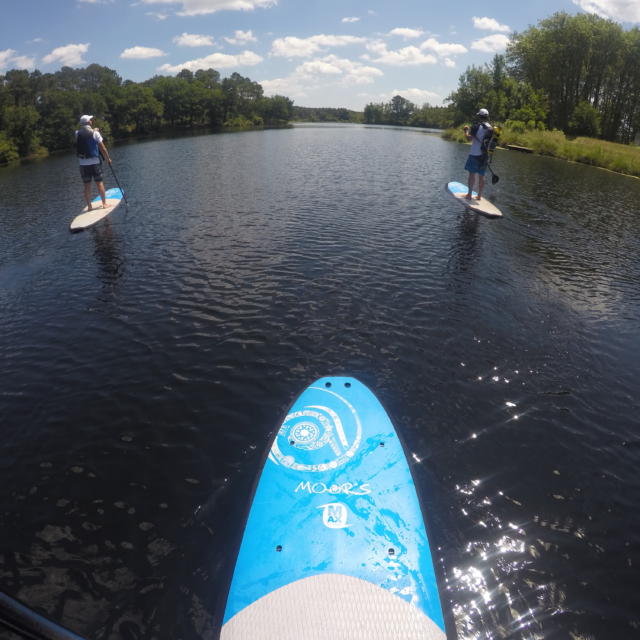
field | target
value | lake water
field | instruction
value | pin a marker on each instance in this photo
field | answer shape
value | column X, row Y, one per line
column 147, row 361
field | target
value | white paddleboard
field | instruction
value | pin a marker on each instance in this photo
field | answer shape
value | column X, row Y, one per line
column 483, row 207
column 335, row 545
column 97, row 213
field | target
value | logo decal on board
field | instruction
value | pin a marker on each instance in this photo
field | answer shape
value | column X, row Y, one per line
column 347, row 488
column 318, row 437
column 335, row 515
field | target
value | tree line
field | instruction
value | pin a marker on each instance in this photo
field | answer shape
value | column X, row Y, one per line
column 403, row 112
column 38, row 112
column 326, row 114
column 579, row 74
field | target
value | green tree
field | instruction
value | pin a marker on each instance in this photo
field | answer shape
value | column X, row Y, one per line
column 474, row 86
column 209, row 78
column 20, row 128
column 276, row 109
column 59, row 111
column 375, row 113
column 577, row 59
column 136, row 110
column 401, row 110
column 585, row 120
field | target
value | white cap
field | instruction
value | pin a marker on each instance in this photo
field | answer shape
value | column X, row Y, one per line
column 85, row 119
column 483, row 112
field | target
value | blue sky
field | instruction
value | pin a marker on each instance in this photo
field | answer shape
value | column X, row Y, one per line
column 334, row 53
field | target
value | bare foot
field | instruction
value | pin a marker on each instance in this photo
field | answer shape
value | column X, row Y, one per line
column 468, row 196
column 105, row 205
column 89, row 207
column 478, row 198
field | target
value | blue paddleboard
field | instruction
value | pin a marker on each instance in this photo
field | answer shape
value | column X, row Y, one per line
column 335, row 545
column 97, row 213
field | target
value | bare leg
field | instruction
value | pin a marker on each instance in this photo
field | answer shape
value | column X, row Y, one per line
column 480, row 187
column 101, row 190
column 472, row 179
column 87, row 195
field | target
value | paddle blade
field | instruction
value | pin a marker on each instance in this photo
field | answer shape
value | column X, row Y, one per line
column 494, row 178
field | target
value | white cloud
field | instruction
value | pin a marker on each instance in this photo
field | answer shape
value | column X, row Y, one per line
column 290, row 46
column 443, row 48
column 406, row 33
column 417, row 96
column 491, row 44
column 283, row 86
column 157, row 15
column 6, row 56
column 242, row 37
column 489, row 24
column 350, row 72
column 203, row 7
column 193, row 40
column 622, row 10
column 318, row 67
column 426, row 53
column 215, row 61
column 69, row 55
column 142, row 53
column 448, row 62
column 322, row 73
column 23, row 62
column 400, row 57
column 349, row 20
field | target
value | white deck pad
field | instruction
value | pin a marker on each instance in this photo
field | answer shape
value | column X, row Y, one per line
column 335, row 607
column 97, row 213
column 483, row 207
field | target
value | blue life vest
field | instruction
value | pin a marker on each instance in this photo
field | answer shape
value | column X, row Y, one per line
column 86, row 144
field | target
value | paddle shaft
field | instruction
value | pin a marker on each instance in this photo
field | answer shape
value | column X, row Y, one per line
column 118, row 183
column 28, row 624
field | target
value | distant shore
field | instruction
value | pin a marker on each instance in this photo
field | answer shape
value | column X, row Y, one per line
column 619, row 158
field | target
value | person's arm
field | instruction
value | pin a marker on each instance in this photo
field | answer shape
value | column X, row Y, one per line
column 469, row 134
column 104, row 151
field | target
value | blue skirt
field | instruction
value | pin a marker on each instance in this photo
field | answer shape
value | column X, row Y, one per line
column 476, row 164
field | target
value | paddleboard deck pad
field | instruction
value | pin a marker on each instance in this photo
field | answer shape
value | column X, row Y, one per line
column 483, row 207
column 335, row 544
column 97, row 213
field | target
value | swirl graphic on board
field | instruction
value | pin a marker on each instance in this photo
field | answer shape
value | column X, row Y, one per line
column 318, row 437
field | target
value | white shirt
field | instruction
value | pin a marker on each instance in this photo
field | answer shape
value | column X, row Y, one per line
column 476, row 145
column 85, row 161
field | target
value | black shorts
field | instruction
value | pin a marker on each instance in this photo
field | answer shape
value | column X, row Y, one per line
column 89, row 171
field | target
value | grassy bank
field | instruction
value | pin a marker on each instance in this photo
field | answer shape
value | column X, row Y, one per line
column 620, row 158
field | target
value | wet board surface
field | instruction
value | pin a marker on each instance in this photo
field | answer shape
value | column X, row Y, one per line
column 89, row 218
column 335, row 544
column 483, row 207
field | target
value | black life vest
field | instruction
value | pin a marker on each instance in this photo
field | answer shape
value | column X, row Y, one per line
column 86, row 144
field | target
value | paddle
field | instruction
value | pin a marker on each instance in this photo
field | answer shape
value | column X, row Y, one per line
column 126, row 204
column 494, row 177
column 28, row 624
column 493, row 143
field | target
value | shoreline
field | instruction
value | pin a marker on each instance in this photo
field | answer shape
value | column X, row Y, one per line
column 143, row 137
column 614, row 157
